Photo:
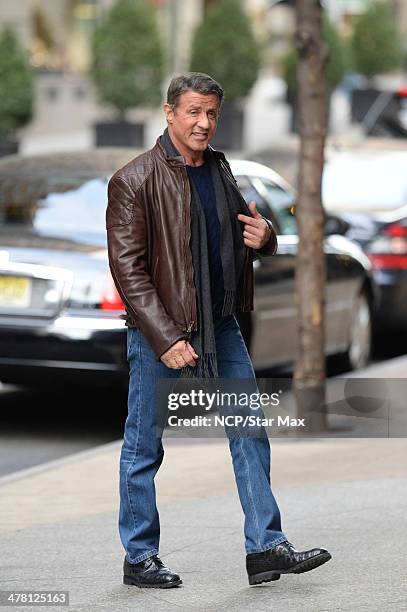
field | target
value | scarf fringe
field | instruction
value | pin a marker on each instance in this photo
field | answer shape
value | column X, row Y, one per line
column 228, row 303
column 206, row 367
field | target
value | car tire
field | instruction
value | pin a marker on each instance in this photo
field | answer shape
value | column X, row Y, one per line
column 359, row 350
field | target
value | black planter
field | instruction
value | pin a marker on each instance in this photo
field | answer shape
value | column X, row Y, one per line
column 229, row 133
column 8, row 147
column 119, row 134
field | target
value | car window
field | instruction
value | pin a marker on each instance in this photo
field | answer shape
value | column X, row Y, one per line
column 249, row 193
column 59, row 207
column 81, row 209
column 281, row 201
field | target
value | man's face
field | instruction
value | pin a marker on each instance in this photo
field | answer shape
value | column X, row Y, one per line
column 192, row 123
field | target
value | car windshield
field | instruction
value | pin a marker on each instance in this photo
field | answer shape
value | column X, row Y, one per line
column 62, row 207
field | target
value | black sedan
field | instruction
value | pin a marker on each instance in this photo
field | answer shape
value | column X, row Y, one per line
column 368, row 192
column 60, row 312
column 383, row 237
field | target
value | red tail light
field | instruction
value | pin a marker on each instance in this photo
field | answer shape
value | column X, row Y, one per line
column 111, row 299
column 388, row 261
column 396, row 230
column 389, row 250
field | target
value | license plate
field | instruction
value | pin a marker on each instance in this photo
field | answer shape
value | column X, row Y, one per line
column 15, row 291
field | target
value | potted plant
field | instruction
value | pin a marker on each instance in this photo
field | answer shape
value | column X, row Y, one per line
column 224, row 47
column 377, row 48
column 16, row 91
column 127, row 69
column 335, row 70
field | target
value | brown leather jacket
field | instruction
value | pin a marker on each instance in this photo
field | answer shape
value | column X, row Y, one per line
column 148, row 232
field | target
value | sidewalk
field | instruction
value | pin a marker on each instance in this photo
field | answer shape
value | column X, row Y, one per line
column 58, row 526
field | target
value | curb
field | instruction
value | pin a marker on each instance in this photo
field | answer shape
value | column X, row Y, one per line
column 56, row 463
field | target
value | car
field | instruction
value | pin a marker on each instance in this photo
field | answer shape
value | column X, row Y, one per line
column 350, row 297
column 59, row 309
column 368, row 193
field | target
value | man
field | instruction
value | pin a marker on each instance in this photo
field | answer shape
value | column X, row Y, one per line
column 181, row 241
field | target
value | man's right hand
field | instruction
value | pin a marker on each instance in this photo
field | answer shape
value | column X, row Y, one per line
column 179, row 355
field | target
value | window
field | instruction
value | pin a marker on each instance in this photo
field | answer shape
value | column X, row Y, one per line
column 65, row 207
column 281, row 201
column 78, row 210
column 250, row 193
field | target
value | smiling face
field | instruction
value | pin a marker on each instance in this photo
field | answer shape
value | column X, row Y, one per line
column 192, row 123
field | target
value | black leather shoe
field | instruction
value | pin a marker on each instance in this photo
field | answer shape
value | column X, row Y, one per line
column 283, row 559
column 150, row 574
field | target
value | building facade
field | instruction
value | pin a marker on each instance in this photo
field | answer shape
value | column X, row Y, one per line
column 58, row 33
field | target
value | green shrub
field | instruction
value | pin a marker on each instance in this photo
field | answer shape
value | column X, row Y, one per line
column 16, row 85
column 224, row 47
column 127, row 66
column 376, row 41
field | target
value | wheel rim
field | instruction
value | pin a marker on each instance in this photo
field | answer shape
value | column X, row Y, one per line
column 360, row 342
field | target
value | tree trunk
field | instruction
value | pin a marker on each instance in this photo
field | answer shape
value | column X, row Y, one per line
column 309, row 375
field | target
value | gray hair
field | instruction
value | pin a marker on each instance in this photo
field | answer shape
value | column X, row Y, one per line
column 193, row 81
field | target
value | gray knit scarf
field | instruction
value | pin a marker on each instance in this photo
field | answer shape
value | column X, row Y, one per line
column 229, row 204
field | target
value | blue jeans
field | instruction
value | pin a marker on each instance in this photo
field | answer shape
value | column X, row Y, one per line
column 142, row 451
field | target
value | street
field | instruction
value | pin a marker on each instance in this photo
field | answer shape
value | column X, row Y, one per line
column 43, row 425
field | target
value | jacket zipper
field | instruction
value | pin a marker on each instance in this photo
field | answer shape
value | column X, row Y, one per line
column 189, row 330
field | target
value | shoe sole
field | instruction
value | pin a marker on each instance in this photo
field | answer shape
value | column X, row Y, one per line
column 143, row 585
column 300, row 568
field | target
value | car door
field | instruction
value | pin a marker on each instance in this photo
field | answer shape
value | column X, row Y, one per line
column 273, row 322
column 337, row 292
